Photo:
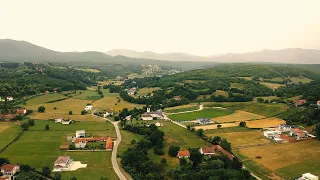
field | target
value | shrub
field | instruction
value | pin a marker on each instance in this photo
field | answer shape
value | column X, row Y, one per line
column 83, row 112
column 41, row 109
column 173, row 151
column 25, row 126
column 31, row 122
column 47, row 127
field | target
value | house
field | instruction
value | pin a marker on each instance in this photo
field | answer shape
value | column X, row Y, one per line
column 108, row 113
column 128, row 118
column 204, row 121
column 207, row 151
column 2, row 99
column 9, row 98
column 272, row 134
column 66, row 122
column 284, row 127
column 9, row 116
column 152, row 115
column 47, row 92
column 226, row 153
column 58, row 120
column 300, row 102
column 9, row 170
column 183, row 154
column 132, row 90
column 158, row 124
column 177, row 98
column 88, row 108
column 318, row 103
column 62, row 163
column 308, row 176
column 109, row 144
column 21, row 111
column 81, row 143
column 298, row 133
column 64, row 147
column 146, row 117
column 80, row 134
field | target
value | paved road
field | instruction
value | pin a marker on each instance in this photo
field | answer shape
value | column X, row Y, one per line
column 115, row 148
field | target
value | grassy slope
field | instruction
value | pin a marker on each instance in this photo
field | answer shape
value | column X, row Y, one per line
column 182, row 109
column 8, row 132
column 206, row 113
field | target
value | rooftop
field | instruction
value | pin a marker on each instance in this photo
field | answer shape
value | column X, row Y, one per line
column 208, row 149
column 8, row 167
column 109, row 143
column 184, row 153
column 62, row 159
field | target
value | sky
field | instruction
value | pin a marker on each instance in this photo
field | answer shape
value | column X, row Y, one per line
column 200, row 27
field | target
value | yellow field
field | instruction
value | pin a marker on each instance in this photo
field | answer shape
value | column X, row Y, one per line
column 279, row 79
column 296, row 98
column 118, row 83
column 214, row 126
column 111, row 102
column 222, row 93
column 240, row 139
column 46, row 116
column 300, row 79
column 265, row 123
column 182, row 106
column 4, row 126
column 238, row 116
column 44, row 98
column 247, row 78
column 88, row 70
column 271, row 85
column 237, row 85
column 146, row 91
column 269, row 98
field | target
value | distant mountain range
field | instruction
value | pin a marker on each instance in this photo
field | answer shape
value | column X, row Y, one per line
column 290, row 56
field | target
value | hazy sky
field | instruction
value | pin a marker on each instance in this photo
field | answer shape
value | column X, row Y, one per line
column 202, row 27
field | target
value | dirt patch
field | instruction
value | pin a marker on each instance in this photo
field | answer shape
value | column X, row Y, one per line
column 215, row 126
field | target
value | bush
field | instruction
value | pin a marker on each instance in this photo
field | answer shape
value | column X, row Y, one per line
column 70, row 112
column 25, row 126
column 158, row 150
column 83, row 112
column 47, row 127
column 243, row 124
column 41, row 109
column 173, row 151
column 163, row 161
column 46, row 171
column 31, row 122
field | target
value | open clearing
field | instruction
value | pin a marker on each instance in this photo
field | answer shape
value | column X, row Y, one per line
column 146, row 91
column 271, row 85
column 43, row 99
column 8, row 131
column 221, row 93
column 265, row 123
column 87, row 95
column 38, row 148
column 183, row 108
column 205, row 113
column 112, row 102
column 215, row 126
column 237, row 85
column 240, row 139
column 238, row 116
column 300, row 79
column 288, row 160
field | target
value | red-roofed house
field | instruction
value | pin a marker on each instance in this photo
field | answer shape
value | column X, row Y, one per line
column 109, row 144
column 177, row 98
column 108, row 113
column 9, row 116
column 62, row 163
column 226, row 153
column 207, row 151
column 81, row 143
column 300, row 102
column 22, row 111
column 9, row 170
column 298, row 133
column 183, row 154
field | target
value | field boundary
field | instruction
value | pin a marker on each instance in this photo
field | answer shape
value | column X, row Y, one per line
column 11, row 142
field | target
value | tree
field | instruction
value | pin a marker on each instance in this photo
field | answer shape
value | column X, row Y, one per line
column 83, row 112
column 70, row 112
column 200, row 132
column 163, row 161
column 73, row 178
column 31, row 122
column 153, row 127
column 116, row 118
column 57, row 176
column 317, row 129
column 25, row 126
column 225, row 145
column 29, row 175
column 216, row 140
column 4, row 161
column 195, row 156
column 182, row 161
column 266, row 101
column 41, row 109
column 46, row 171
column 260, row 100
column 188, row 127
column 243, row 124
column 219, row 126
column 173, row 151
column 103, row 178
column 133, row 141
column 47, row 127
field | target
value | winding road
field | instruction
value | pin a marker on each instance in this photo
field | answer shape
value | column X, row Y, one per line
column 115, row 148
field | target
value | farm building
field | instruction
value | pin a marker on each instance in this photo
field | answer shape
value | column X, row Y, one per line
column 204, row 121
column 80, row 134
column 21, row 111
column 58, row 120
column 308, row 176
column 109, row 144
column 108, row 112
column 64, row 147
column 158, row 124
column 298, row 133
column 152, row 115
column 272, row 134
column 88, row 108
column 9, row 98
column 284, row 127
column 226, row 153
column 80, row 143
column 66, row 122
column 207, row 151
column 62, row 163
column 183, row 154
column 300, row 102
column 177, row 98
column 128, row 118
column 132, row 90
column 9, row 170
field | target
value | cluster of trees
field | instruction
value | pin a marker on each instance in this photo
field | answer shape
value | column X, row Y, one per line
column 296, row 115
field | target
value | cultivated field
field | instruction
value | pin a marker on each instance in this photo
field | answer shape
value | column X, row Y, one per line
column 44, row 98
column 247, row 78
column 265, row 123
column 271, row 85
column 205, row 113
column 38, row 148
column 288, row 160
column 300, row 79
column 222, row 93
column 146, row 91
column 111, row 102
column 88, row 70
column 8, row 131
column 215, row 126
column 238, row 116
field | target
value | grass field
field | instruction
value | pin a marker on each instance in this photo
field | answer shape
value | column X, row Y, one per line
column 300, row 79
column 39, row 148
column 271, row 85
column 8, row 131
column 87, row 95
column 88, row 70
column 288, row 160
column 228, row 130
column 265, row 123
column 146, row 91
column 127, row 137
column 221, row 93
column 238, row 116
column 215, row 126
column 237, row 85
column 247, row 78
column 44, row 98
column 181, row 109
column 205, row 113
column 268, row 110
column 111, row 102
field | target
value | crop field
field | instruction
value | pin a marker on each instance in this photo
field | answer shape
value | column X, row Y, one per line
column 300, row 79
column 88, row 70
column 8, row 131
column 112, row 102
column 181, row 108
column 265, row 123
column 238, row 116
column 240, row 139
column 271, row 85
column 247, row 78
column 205, row 113
column 44, row 98
column 288, row 160
column 87, row 95
column 215, row 126
column 268, row 110
column 146, row 91
column 38, row 148
column 222, row 93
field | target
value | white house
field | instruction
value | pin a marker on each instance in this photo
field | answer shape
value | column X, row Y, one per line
column 88, row 108
column 66, row 122
column 9, row 170
column 207, row 151
column 108, row 113
column 58, row 120
column 308, row 176
column 318, row 103
column 204, row 121
column 152, row 115
column 284, row 127
column 9, row 98
column 81, row 143
column 80, row 134
column 128, row 118
column 158, row 124
column 132, row 90
column 146, row 117
column 62, row 163
column 272, row 134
